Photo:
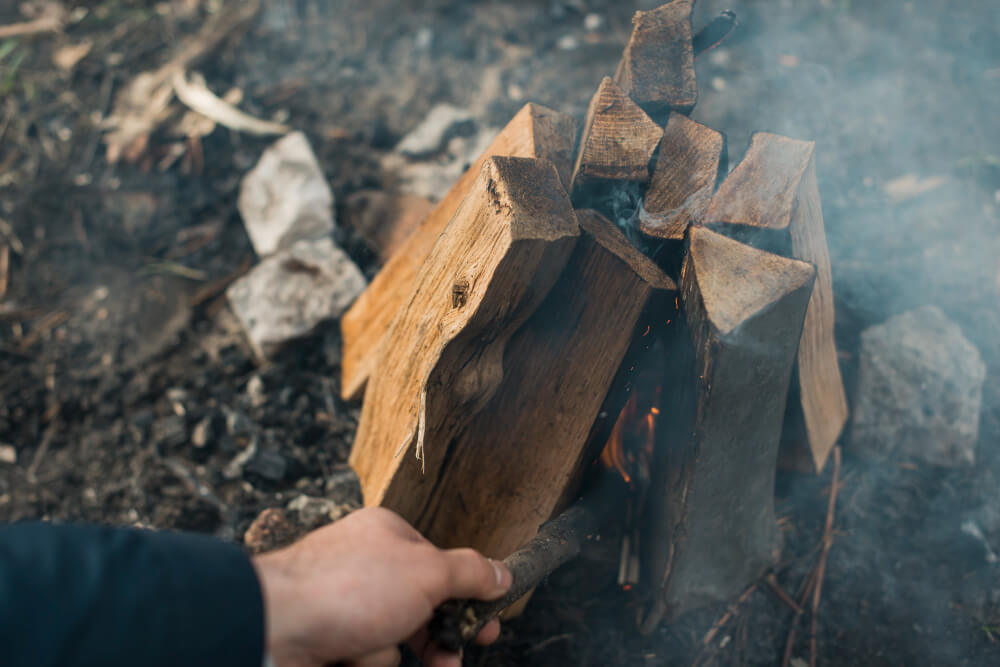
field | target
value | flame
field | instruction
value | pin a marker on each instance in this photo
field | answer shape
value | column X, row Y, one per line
column 636, row 430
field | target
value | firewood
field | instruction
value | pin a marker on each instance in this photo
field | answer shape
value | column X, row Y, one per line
column 442, row 357
column 691, row 162
column 657, row 67
column 558, row 369
column 618, row 139
column 771, row 200
column 710, row 509
column 535, row 131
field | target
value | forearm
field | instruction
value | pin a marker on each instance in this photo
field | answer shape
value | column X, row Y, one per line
column 73, row 595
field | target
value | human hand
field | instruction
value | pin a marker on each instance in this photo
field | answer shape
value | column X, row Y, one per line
column 352, row 591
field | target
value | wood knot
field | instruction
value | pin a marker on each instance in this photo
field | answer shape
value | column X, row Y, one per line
column 459, row 293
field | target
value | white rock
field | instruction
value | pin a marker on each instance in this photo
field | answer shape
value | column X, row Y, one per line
column 314, row 511
column 285, row 198
column 920, row 388
column 442, row 123
column 8, row 454
column 293, row 290
column 433, row 179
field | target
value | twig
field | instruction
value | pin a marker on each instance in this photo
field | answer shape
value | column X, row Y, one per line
column 807, row 587
column 457, row 622
column 827, row 543
column 720, row 623
column 4, row 269
column 48, row 322
column 51, row 20
column 772, row 583
column 43, row 448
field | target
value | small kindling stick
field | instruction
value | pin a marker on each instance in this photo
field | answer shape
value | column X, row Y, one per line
column 457, row 622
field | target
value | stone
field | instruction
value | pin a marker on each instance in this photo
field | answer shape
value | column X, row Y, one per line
column 442, row 123
column 8, row 454
column 268, row 464
column 344, row 488
column 285, row 198
column 270, row 530
column 920, row 385
column 315, row 512
column 289, row 293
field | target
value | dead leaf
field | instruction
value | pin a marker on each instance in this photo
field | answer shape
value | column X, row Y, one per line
column 67, row 57
column 145, row 102
column 196, row 95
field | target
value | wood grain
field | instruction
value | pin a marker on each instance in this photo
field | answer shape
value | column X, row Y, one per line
column 657, row 68
column 618, row 138
column 535, row 131
column 691, row 162
column 771, row 200
column 711, row 525
column 508, row 470
column 442, row 357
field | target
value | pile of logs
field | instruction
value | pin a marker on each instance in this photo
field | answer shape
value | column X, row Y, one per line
column 496, row 349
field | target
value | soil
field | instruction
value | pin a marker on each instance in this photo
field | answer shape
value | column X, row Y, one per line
column 128, row 394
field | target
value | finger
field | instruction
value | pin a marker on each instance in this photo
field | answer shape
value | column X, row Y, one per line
column 472, row 575
column 436, row 657
column 489, row 633
column 388, row 657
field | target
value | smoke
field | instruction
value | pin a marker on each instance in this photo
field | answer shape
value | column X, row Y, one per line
column 901, row 99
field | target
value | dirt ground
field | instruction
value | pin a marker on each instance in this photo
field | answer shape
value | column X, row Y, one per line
column 128, row 394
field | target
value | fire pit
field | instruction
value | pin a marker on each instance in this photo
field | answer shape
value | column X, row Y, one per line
column 617, row 298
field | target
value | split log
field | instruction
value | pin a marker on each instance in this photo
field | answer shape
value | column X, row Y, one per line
column 490, row 495
column 657, row 67
column 691, row 163
column 771, row 201
column 710, row 512
column 618, row 139
column 442, row 357
column 536, row 132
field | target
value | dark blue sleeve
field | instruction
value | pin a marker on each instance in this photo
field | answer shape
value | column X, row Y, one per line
column 75, row 596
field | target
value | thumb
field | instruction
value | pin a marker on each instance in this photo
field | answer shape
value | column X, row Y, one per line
column 472, row 575
column 388, row 657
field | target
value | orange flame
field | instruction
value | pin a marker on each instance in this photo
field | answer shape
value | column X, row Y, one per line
column 640, row 430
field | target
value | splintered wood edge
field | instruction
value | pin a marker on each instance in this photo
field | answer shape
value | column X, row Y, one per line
column 659, row 89
column 761, row 190
column 737, row 281
column 608, row 95
column 606, row 234
column 703, row 151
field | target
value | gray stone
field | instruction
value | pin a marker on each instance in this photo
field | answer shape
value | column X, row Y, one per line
column 289, row 293
column 432, row 179
column 442, row 123
column 285, row 198
column 920, row 384
column 314, row 512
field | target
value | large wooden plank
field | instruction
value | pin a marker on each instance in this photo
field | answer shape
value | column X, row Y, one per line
column 507, row 472
column 771, row 200
column 535, row 131
column 711, row 528
column 442, row 357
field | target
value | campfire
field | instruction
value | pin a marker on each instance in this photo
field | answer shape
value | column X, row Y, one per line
column 606, row 320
